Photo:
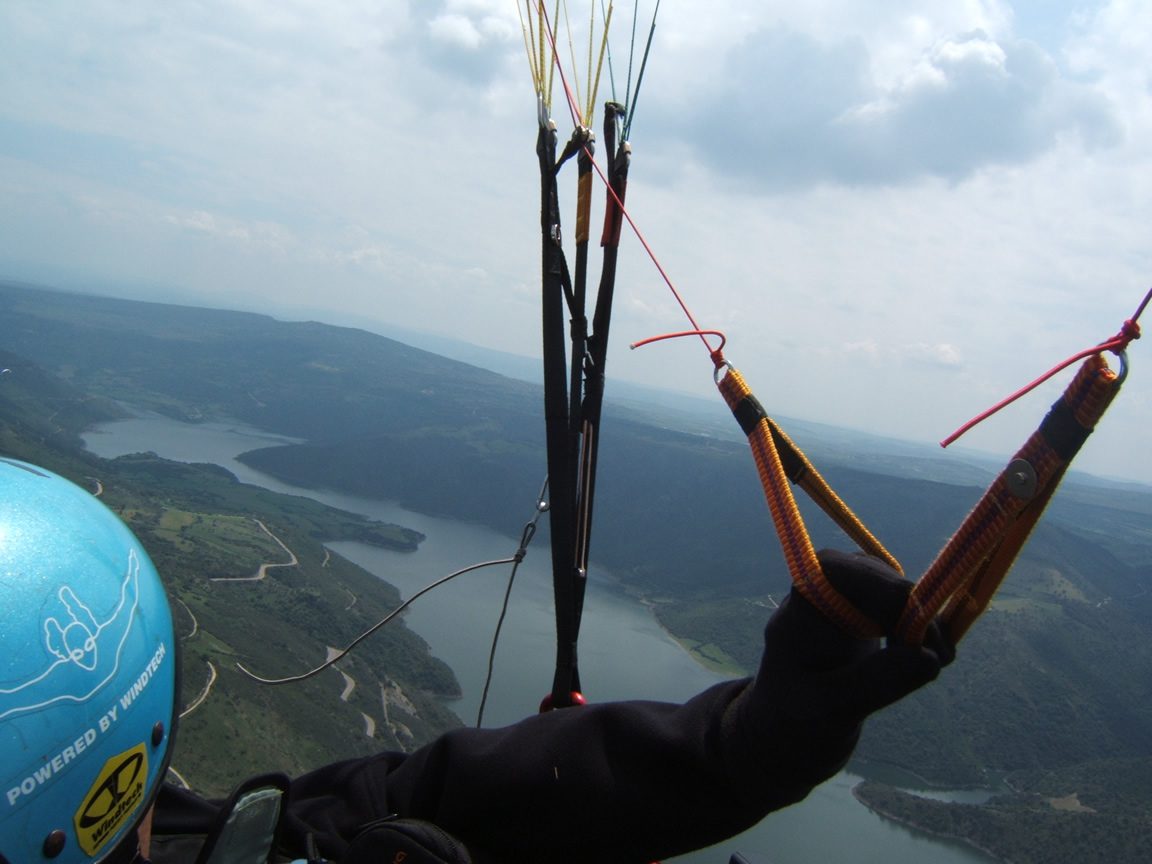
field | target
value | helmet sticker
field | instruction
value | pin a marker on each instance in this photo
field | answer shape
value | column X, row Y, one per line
column 86, row 651
column 77, row 640
column 50, row 768
column 112, row 799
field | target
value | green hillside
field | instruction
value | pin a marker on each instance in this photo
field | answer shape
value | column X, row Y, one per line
column 1054, row 679
column 204, row 530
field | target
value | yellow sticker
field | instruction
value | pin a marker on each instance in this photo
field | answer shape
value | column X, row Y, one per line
column 112, row 799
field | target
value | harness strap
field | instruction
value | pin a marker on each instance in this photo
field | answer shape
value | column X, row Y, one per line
column 959, row 584
column 772, row 450
column 574, row 383
column 595, row 359
column 961, row 581
column 561, row 438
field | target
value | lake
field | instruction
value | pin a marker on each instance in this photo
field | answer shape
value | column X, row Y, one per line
column 624, row 651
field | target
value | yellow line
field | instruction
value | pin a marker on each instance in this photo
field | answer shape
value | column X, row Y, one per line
column 600, row 63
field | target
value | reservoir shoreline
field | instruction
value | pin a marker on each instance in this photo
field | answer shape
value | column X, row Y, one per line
column 921, row 829
column 626, row 651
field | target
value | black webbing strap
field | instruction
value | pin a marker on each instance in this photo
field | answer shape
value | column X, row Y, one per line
column 595, row 359
column 573, row 390
column 561, row 439
column 748, row 412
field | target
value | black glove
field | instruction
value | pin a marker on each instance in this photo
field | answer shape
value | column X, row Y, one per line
column 816, row 684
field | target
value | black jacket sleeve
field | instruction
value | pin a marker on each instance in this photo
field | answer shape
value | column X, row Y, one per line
column 625, row 781
column 628, row 782
column 638, row 781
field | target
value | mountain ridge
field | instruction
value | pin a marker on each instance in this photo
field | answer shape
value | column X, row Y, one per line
column 1055, row 676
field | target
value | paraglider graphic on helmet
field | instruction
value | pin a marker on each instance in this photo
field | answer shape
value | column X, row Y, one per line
column 84, row 652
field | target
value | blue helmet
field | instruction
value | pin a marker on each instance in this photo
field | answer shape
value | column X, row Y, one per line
column 88, row 673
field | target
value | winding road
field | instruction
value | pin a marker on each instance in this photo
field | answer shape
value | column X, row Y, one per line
column 199, row 700
column 262, row 573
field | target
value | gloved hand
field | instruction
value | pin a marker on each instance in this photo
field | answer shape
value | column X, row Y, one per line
column 816, row 684
column 826, row 675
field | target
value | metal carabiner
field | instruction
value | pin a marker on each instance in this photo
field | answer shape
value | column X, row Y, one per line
column 1122, row 374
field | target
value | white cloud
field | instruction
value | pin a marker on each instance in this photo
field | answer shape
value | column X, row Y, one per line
column 865, row 347
column 948, row 64
column 469, row 42
column 940, row 354
column 916, row 203
column 1112, row 50
column 456, row 30
column 197, row 221
column 787, row 111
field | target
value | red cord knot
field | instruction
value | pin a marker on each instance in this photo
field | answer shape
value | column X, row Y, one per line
column 718, row 359
column 1118, row 344
column 1130, row 330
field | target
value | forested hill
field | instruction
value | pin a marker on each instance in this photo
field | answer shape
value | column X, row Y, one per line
column 210, row 538
column 306, row 379
column 1057, row 677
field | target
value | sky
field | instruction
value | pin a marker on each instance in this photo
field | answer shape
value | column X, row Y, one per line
column 898, row 212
